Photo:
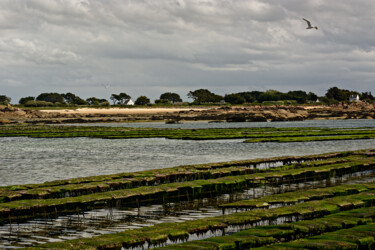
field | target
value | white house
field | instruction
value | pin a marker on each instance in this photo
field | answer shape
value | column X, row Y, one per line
column 130, row 102
column 354, row 98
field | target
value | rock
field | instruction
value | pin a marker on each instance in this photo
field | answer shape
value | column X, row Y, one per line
column 236, row 118
column 258, row 118
column 4, row 121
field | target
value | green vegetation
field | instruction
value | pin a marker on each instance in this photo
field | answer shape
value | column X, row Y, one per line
column 313, row 138
column 353, row 228
column 170, row 97
column 27, row 201
column 319, row 216
column 201, row 97
column 299, row 196
column 160, row 233
column 121, row 99
column 4, row 100
column 204, row 96
column 142, row 100
column 256, row 134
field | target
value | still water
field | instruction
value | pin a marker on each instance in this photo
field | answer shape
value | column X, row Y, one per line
column 29, row 160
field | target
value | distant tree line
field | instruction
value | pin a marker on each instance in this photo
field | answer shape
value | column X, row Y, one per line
column 199, row 96
column 333, row 95
column 4, row 100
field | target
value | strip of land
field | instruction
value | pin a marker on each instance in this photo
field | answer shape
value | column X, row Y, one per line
column 251, row 134
column 9, row 115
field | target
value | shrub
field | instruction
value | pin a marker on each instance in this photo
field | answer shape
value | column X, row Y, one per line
column 38, row 104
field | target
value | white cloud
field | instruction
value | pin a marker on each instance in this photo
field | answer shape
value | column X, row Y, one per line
column 21, row 51
column 70, row 45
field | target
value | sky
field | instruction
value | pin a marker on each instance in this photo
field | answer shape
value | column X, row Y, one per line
column 149, row 47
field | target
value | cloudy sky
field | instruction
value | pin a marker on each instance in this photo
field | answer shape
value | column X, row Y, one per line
column 148, row 47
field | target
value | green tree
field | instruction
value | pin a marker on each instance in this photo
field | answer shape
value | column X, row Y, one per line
column 24, row 100
column 298, row 95
column 50, row 97
column 162, row 101
column 121, row 98
column 172, row 97
column 234, row 99
column 73, row 99
column 204, row 96
column 270, row 95
column 367, row 96
column 337, row 94
column 312, row 97
column 142, row 100
column 95, row 101
column 250, row 96
column 4, row 100
column 69, row 97
column 33, row 103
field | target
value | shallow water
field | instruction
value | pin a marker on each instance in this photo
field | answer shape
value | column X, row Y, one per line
column 117, row 219
column 204, row 124
column 29, row 160
column 36, row 160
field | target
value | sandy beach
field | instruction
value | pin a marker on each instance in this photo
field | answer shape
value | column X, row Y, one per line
column 125, row 111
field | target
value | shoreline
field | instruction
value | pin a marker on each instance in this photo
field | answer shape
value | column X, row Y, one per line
column 121, row 110
column 11, row 115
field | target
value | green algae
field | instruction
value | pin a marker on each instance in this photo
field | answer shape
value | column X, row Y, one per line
column 303, row 195
column 357, row 237
column 190, row 189
column 257, row 134
column 159, row 233
column 357, row 230
column 213, row 178
column 88, row 185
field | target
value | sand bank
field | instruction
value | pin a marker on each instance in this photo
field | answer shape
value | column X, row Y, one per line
column 125, row 111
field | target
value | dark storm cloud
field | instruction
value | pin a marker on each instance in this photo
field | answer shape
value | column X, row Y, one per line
column 148, row 47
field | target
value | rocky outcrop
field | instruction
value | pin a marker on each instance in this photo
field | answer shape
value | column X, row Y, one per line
column 361, row 110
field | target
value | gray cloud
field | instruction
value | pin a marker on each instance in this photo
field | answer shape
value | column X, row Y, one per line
column 149, row 47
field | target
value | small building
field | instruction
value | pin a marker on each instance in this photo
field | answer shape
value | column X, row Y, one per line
column 354, row 98
column 130, row 102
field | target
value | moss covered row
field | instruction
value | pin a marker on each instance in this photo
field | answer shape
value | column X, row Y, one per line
column 257, row 134
column 20, row 209
column 299, row 196
column 161, row 233
column 104, row 183
column 357, row 222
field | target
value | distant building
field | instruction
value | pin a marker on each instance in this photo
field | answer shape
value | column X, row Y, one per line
column 129, row 103
column 354, row 98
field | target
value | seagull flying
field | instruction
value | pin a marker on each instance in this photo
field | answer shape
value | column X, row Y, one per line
column 309, row 24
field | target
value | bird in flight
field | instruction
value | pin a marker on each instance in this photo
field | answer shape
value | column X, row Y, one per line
column 309, row 24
